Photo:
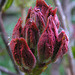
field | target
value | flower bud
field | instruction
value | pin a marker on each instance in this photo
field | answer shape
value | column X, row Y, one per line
column 17, row 31
column 51, row 45
column 61, row 46
column 31, row 34
column 22, row 53
column 38, row 43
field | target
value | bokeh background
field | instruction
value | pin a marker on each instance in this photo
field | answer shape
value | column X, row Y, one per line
column 10, row 18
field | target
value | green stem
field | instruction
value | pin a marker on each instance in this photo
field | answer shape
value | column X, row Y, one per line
column 37, row 70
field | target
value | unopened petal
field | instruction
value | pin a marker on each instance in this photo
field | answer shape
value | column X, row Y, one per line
column 22, row 53
column 31, row 34
column 17, row 31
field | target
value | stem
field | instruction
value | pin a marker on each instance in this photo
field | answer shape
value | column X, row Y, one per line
column 61, row 14
column 64, row 24
column 5, row 39
column 67, row 7
column 55, row 67
column 2, row 3
column 23, row 14
column 37, row 70
column 6, row 71
column 67, row 12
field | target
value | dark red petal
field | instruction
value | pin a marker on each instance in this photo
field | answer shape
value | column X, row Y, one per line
column 46, row 44
column 48, row 13
column 44, row 9
column 53, row 15
column 17, row 31
column 53, row 26
column 22, row 53
column 38, row 18
column 40, row 3
column 53, row 12
column 40, row 22
column 64, row 42
column 61, row 46
column 57, row 49
column 32, row 34
column 45, row 48
column 56, row 20
column 15, row 46
column 28, row 59
column 33, row 14
column 24, row 31
column 28, row 15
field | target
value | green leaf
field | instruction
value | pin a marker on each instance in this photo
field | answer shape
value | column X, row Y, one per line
column 73, row 51
column 7, row 5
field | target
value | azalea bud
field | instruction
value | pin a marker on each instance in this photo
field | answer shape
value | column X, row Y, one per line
column 17, row 32
column 38, row 42
column 61, row 46
column 42, row 5
column 46, row 43
column 38, row 18
column 31, row 34
column 22, row 53
column 51, row 45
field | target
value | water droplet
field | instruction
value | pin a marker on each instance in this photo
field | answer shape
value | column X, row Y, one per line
column 8, row 43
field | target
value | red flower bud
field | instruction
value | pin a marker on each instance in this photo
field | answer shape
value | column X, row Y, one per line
column 51, row 45
column 46, row 42
column 29, row 11
column 41, row 4
column 22, row 53
column 17, row 32
column 31, row 34
column 38, row 18
column 43, row 42
column 61, row 46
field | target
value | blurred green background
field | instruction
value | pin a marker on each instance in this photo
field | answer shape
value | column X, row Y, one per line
column 10, row 18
